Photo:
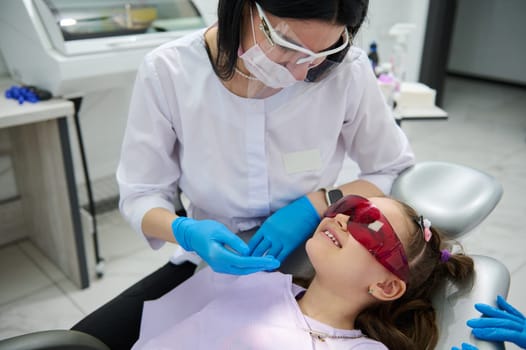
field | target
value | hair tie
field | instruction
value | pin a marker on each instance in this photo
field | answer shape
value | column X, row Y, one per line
column 444, row 255
column 425, row 227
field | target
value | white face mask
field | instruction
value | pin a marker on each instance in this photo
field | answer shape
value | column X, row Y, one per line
column 263, row 68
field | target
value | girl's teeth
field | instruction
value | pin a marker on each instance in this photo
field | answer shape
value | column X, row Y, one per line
column 333, row 239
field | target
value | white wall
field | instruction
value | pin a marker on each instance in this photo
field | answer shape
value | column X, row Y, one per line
column 7, row 180
column 383, row 14
column 103, row 119
column 3, row 68
column 489, row 40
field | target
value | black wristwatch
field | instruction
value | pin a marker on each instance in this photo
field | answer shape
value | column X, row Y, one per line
column 332, row 195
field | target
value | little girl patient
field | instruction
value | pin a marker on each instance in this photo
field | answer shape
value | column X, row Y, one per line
column 377, row 263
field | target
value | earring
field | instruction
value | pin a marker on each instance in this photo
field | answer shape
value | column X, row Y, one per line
column 370, row 291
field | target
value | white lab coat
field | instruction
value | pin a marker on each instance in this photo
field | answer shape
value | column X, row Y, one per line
column 240, row 159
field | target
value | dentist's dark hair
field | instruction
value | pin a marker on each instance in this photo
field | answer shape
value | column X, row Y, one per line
column 350, row 13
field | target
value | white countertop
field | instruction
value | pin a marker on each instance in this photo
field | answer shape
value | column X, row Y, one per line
column 13, row 114
column 431, row 112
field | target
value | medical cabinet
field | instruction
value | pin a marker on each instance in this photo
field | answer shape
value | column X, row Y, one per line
column 71, row 47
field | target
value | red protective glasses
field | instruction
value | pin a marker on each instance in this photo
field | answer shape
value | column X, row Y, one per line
column 372, row 229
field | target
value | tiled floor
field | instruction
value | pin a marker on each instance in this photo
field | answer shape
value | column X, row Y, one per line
column 486, row 130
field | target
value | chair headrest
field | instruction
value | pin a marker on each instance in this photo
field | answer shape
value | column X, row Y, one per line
column 454, row 197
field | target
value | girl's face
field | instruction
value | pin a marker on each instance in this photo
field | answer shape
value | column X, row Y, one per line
column 337, row 256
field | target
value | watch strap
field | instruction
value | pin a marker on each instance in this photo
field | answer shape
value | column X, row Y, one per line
column 332, row 195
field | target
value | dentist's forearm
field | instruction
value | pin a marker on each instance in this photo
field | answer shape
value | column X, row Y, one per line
column 157, row 223
column 360, row 187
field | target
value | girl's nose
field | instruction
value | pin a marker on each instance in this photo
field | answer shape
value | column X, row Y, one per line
column 342, row 220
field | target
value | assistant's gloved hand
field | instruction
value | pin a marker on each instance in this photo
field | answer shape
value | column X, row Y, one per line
column 504, row 323
column 284, row 230
column 209, row 239
column 465, row 346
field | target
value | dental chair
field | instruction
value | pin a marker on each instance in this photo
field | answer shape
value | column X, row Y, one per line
column 60, row 339
column 457, row 198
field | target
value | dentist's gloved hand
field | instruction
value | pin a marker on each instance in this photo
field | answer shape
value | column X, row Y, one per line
column 465, row 346
column 504, row 323
column 209, row 239
column 284, row 230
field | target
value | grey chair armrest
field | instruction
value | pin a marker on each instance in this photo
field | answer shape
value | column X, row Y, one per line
column 455, row 304
column 53, row 340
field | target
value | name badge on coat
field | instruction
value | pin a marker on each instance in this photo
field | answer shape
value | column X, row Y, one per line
column 296, row 162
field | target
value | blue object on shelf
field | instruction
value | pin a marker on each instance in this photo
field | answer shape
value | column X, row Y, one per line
column 27, row 94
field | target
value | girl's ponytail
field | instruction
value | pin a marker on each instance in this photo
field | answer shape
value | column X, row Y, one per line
column 459, row 267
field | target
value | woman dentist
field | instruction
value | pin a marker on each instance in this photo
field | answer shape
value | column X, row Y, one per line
column 252, row 119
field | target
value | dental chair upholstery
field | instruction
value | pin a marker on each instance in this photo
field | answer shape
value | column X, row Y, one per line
column 457, row 198
column 60, row 339
column 454, row 196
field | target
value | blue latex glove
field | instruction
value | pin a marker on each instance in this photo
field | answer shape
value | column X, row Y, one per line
column 209, row 239
column 284, row 230
column 504, row 323
column 465, row 346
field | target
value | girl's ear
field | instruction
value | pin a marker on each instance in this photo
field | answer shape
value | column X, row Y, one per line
column 388, row 290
